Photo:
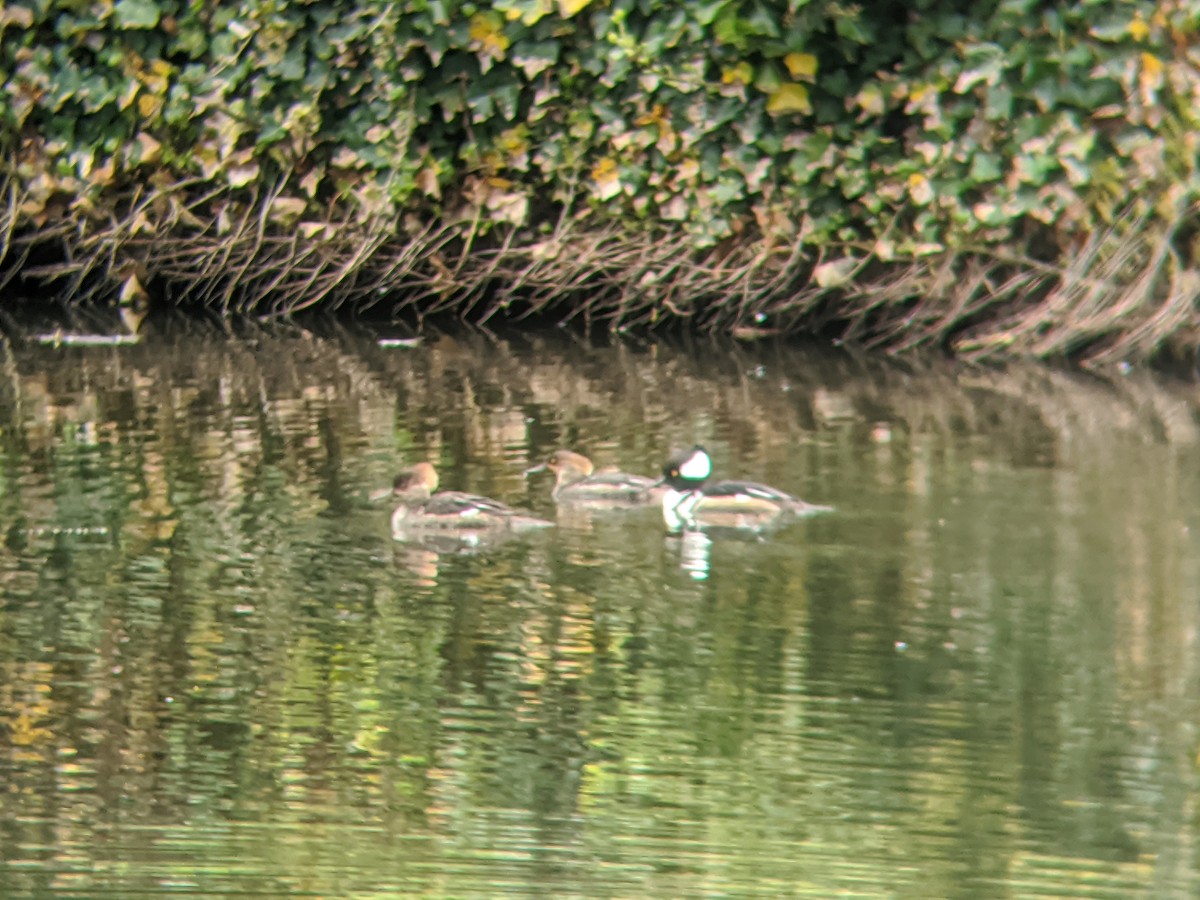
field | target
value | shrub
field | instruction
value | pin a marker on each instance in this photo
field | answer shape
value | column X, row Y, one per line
column 815, row 144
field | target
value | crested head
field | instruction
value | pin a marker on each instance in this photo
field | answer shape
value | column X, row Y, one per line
column 416, row 482
column 570, row 461
column 688, row 470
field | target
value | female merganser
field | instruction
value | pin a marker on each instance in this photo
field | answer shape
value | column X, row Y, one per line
column 692, row 501
column 421, row 509
column 578, row 482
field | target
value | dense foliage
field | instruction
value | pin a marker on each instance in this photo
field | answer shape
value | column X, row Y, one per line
column 824, row 140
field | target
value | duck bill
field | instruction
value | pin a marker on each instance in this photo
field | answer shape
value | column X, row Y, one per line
column 380, row 494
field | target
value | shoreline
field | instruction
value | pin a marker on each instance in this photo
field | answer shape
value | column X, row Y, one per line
column 974, row 306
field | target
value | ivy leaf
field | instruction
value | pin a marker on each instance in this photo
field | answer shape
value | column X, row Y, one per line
column 606, row 178
column 835, row 273
column 242, row 175
column 568, row 8
column 132, row 14
column 286, row 210
column 801, row 65
column 999, row 104
column 789, row 98
column 20, row 16
column 704, row 13
column 920, row 189
column 534, row 58
column 985, row 167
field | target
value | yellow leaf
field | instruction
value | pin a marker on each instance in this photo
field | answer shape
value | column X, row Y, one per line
column 789, row 98
column 604, row 169
column 870, row 100
column 920, row 189
column 742, row 73
column 149, row 105
column 487, row 36
column 1152, row 71
column 801, row 65
column 1138, row 29
column 607, row 178
column 568, row 8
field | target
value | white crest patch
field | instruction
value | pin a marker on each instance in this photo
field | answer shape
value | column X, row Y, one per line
column 696, row 467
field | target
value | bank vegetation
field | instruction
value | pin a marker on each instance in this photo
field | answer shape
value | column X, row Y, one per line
column 1016, row 180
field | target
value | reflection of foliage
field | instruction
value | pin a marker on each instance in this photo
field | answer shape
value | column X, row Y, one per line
column 236, row 664
column 277, row 155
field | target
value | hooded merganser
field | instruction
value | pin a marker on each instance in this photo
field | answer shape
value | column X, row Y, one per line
column 421, row 509
column 692, row 501
column 578, row 482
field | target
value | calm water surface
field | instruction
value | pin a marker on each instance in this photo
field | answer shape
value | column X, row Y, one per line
column 219, row 675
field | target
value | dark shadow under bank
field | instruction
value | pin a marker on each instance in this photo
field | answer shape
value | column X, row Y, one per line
column 33, row 318
column 975, row 305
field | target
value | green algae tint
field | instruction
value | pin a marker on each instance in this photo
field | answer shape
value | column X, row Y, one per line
column 220, row 674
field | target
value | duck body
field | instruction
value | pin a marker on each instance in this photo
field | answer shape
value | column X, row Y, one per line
column 693, row 501
column 578, row 482
column 422, row 508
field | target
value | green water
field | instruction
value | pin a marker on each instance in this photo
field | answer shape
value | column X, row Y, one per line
column 220, row 676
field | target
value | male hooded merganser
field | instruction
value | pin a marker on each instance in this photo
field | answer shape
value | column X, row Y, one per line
column 692, row 501
column 578, row 482
column 421, row 509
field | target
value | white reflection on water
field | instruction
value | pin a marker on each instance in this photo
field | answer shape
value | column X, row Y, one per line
column 693, row 553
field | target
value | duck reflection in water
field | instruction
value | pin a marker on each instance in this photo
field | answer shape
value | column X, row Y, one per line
column 451, row 520
column 693, row 553
column 693, row 502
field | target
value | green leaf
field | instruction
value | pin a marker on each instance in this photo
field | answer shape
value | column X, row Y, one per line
column 850, row 27
column 999, row 103
column 131, row 14
column 985, row 167
column 704, row 13
column 535, row 57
